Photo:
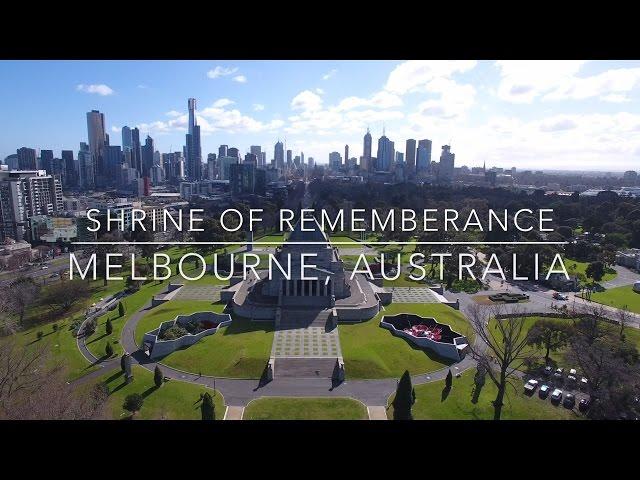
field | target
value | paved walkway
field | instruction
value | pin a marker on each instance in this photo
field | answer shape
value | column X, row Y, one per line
column 412, row 295
column 204, row 293
column 377, row 412
column 234, row 413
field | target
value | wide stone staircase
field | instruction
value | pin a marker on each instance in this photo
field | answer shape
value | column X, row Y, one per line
column 305, row 344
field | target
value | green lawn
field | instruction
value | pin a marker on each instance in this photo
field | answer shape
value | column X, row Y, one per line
column 370, row 351
column 97, row 342
column 403, row 281
column 240, row 350
column 169, row 311
column 174, row 400
column 433, row 404
column 350, row 261
column 619, row 297
column 305, row 409
column 575, row 267
column 348, row 241
column 274, row 240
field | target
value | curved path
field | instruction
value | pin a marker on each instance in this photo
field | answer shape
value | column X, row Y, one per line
column 239, row 392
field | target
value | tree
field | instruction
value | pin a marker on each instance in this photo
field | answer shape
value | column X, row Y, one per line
column 595, row 270
column 548, row 334
column 502, row 349
column 158, row 378
column 120, row 309
column 108, row 328
column 64, row 295
column 208, row 408
column 448, row 381
column 24, row 292
column 403, row 400
column 133, row 403
column 108, row 349
column 123, row 360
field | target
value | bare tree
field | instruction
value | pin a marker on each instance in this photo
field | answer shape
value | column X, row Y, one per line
column 502, row 349
column 623, row 316
column 34, row 388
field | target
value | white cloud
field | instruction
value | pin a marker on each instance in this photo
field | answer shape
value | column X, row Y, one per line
column 414, row 75
column 330, row 74
column 524, row 81
column 115, row 129
column 220, row 71
column 306, row 101
column 101, row 89
column 240, row 79
column 319, row 91
column 142, row 86
column 174, row 113
column 258, row 107
column 223, row 102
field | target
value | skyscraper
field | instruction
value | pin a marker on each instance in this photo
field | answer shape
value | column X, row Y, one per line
column 127, row 140
column 46, row 161
column 335, row 161
column 233, row 152
column 27, row 159
column 346, row 154
column 278, row 154
column 410, row 155
column 86, row 167
column 69, row 178
column 222, row 151
column 447, row 160
column 97, row 140
column 263, row 159
column 366, row 155
column 113, row 160
column 193, row 149
column 136, row 151
column 256, row 150
column 147, row 156
column 289, row 158
column 423, row 158
column 386, row 154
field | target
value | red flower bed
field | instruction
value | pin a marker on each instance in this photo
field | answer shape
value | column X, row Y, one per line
column 433, row 333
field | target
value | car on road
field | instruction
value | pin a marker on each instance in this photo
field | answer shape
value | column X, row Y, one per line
column 584, row 404
column 544, row 391
column 44, row 267
column 556, row 395
column 531, row 386
column 560, row 296
column 569, row 400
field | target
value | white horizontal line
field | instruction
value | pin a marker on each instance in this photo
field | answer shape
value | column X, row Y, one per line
column 352, row 244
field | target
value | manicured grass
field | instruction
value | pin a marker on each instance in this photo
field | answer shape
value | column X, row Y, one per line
column 575, row 267
column 619, row 297
column 370, row 351
column 433, row 404
column 174, row 400
column 351, row 260
column 305, row 409
column 240, row 350
column 62, row 345
column 169, row 311
column 97, row 342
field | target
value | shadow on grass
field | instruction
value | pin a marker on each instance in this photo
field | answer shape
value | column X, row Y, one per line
column 97, row 339
column 244, row 325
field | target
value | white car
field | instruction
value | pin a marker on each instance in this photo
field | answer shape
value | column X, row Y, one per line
column 556, row 395
column 531, row 385
column 573, row 372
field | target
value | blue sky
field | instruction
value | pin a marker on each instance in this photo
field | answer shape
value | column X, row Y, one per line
column 531, row 114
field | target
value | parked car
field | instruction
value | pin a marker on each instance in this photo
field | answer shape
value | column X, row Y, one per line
column 583, row 383
column 44, row 267
column 560, row 296
column 584, row 404
column 558, row 373
column 548, row 369
column 531, row 386
column 556, row 395
column 544, row 391
column 569, row 400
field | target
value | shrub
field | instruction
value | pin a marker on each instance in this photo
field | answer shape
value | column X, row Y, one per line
column 404, row 399
column 40, row 334
column 157, row 376
column 133, row 403
column 121, row 309
column 108, row 327
column 208, row 408
column 108, row 349
column 54, row 327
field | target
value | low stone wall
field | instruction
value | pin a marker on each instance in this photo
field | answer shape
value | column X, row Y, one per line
column 445, row 350
column 557, row 315
column 161, row 348
column 356, row 314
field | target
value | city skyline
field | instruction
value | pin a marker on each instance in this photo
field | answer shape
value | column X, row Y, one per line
column 526, row 114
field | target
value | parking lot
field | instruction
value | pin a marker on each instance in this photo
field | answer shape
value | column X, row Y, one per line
column 559, row 387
